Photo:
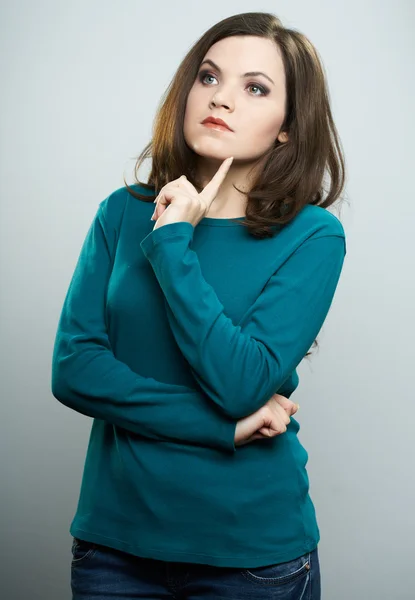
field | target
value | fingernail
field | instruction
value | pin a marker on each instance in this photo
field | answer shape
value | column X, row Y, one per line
column 298, row 406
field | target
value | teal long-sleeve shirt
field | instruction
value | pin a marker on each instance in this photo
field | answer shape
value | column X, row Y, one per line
column 166, row 338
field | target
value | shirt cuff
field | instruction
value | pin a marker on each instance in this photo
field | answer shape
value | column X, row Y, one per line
column 171, row 230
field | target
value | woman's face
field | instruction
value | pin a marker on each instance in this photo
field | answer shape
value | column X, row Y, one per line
column 251, row 105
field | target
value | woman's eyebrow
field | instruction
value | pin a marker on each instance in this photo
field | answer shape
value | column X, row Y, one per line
column 249, row 74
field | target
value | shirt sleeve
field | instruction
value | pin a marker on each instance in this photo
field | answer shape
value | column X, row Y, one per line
column 241, row 366
column 87, row 377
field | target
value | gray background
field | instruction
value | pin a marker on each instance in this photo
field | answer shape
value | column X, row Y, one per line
column 81, row 81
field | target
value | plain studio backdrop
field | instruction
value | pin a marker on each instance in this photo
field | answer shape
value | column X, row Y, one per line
column 81, row 82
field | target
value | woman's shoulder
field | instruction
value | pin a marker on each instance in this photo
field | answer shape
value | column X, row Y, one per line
column 310, row 224
column 114, row 205
column 319, row 221
column 313, row 222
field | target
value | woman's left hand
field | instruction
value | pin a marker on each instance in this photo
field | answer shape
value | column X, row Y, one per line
column 179, row 200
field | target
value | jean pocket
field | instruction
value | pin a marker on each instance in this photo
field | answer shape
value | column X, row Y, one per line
column 82, row 550
column 280, row 573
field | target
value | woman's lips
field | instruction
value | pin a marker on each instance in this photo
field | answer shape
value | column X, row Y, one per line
column 216, row 126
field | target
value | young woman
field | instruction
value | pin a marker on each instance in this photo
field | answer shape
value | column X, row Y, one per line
column 195, row 297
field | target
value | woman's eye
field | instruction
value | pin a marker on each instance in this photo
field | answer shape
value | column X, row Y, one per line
column 203, row 75
column 263, row 90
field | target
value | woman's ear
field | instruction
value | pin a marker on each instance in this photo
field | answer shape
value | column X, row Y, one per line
column 282, row 136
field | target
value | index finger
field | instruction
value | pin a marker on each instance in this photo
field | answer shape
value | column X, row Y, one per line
column 211, row 189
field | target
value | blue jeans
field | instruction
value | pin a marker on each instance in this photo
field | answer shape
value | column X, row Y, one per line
column 99, row 572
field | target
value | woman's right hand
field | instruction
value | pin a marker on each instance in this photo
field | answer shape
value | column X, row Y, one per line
column 268, row 421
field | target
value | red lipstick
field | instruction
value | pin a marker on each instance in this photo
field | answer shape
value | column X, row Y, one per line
column 217, row 122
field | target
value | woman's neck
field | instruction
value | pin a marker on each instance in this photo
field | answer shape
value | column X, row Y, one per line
column 229, row 202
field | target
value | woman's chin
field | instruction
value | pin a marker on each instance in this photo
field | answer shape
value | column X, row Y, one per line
column 210, row 154
column 209, row 147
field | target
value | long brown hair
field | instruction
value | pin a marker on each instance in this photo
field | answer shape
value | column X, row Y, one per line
column 294, row 171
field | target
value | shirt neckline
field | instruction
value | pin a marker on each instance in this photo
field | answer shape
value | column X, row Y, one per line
column 213, row 222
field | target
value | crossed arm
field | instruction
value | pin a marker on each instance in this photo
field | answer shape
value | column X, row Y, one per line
column 238, row 367
column 87, row 377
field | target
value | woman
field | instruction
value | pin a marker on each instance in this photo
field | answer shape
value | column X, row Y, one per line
column 194, row 299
